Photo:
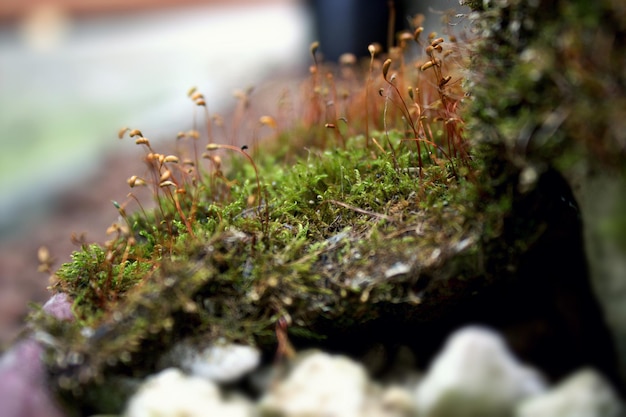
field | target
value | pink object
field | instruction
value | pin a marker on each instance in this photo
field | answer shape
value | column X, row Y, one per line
column 59, row 306
column 24, row 390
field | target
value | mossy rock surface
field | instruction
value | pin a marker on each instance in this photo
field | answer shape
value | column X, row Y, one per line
column 549, row 90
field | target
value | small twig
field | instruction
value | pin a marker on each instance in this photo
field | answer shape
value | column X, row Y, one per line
column 360, row 210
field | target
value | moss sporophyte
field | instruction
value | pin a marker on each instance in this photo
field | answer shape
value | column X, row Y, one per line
column 339, row 225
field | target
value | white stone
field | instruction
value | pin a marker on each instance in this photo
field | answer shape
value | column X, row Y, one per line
column 224, row 363
column 586, row 393
column 221, row 362
column 321, row 385
column 173, row 394
column 395, row 401
column 475, row 375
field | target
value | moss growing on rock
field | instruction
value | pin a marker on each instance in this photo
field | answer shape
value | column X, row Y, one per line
column 350, row 242
column 370, row 222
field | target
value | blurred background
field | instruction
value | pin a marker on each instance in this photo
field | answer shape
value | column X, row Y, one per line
column 73, row 72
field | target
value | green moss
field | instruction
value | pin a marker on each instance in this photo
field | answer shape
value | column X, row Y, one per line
column 320, row 249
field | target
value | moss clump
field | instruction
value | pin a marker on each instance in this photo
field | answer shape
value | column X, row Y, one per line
column 338, row 227
column 342, row 239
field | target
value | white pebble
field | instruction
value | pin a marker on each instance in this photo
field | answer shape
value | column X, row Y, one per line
column 396, row 401
column 322, row 385
column 173, row 394
column 475, row 375
column 584, row 394
column 224, row 363
column 220, row 362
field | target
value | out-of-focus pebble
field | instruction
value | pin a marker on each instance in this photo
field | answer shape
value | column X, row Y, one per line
column 173, row 394
column 475, row 375
column 586, row 393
